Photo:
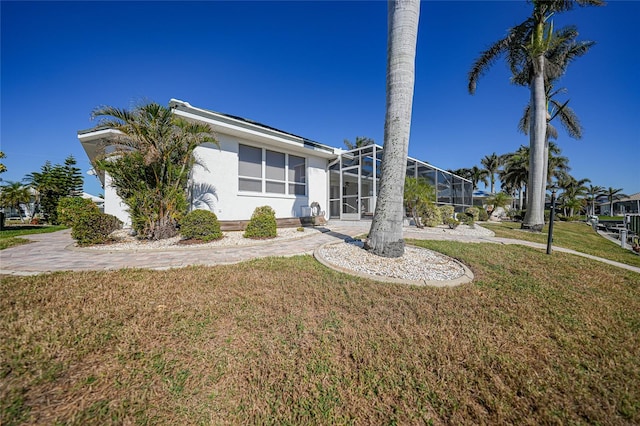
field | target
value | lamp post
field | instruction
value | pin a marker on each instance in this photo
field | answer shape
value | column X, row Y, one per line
column 552, row 215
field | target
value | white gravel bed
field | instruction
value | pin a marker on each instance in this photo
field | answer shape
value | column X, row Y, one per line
column 417, row 264
column 229, row 239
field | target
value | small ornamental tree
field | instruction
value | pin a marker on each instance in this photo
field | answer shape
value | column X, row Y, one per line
column 501, row 199
column 417, row 194
column 262, row 224
column 151, row 164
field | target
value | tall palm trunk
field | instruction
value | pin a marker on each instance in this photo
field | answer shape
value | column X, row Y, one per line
column 385, row 235
column 534, row 219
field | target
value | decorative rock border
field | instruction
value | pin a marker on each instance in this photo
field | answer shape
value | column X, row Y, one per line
column 343, row 256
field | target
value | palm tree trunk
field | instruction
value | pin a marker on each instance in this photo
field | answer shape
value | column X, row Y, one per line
column 520, row 198
column 534, row 219
column 385, row 236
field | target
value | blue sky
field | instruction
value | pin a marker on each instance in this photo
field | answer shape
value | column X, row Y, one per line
column 316, row 69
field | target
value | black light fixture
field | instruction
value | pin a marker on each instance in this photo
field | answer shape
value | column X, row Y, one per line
column 552, row 215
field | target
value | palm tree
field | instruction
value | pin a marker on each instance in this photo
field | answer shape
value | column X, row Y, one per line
column 501, row 199
column 492, row 165
column 385, row 235
column 592, row 195
column 557, row 165
column 612, row 195
column 573, row 192
column 417, row 193
column 360, row 142
column 477, row 175
column 151, row 164
column 3, row 168
column 39, row 182
column 515, row 172
column 15, row 194
column 525, row 47
column 462, row 172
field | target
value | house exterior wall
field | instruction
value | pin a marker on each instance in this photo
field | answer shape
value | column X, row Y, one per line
column 113, row 204
column 214, row 183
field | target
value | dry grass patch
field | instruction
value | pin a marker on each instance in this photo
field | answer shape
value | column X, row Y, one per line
column 535, row 339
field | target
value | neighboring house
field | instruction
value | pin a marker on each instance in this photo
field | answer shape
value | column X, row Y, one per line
column 96, row 200
column 257, row 165
column 626, row 205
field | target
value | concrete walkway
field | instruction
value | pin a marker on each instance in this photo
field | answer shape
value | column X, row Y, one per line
column 55, row 251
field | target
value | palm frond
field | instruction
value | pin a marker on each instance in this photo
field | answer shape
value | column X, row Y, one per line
column 485, row 61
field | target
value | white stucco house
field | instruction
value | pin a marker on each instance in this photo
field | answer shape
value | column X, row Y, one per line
column 256, row 165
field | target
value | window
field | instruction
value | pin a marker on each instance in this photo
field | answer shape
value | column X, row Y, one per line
column 297, row 175
column 275, row 171
column 263, row 170
column 250, row 168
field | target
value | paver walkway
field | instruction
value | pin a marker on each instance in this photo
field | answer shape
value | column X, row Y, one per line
column 54, row 252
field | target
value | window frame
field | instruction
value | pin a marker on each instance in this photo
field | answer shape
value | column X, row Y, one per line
column 289, row 183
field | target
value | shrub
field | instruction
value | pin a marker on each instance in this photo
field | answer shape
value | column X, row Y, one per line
column 516, row 214
column 483, row 216
column 453, row 224
column 94, row 228
column 200, row 225
column 71, row 209
column 262, row 223
column 465, row 218
column 446, row 212
column 474, row 212
column 431, row 215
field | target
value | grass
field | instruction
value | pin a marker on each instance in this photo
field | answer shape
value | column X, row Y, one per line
column 571, row 235
column 535, row 339
column 9, row 237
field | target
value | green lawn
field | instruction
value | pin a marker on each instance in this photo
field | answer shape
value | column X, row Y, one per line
column 535, row 339
column 9, row 237
column 572, row 235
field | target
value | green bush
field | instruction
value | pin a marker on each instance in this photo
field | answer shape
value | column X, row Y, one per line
column 516, row 214
column 465, row 218
column 200, row 225
column 446, row 213
column 483, row 216
column 451, row 222
column 71, row 209
column 94, row 228
column 431, row 215
column 262, row 224
column 474, row 212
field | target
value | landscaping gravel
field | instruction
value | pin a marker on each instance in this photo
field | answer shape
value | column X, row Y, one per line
column 417, row 264
column 229, row 239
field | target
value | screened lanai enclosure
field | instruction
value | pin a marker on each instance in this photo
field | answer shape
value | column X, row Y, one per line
column 353, row 183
